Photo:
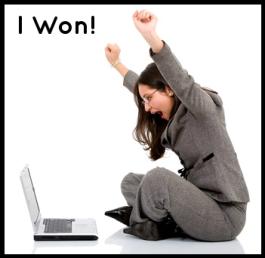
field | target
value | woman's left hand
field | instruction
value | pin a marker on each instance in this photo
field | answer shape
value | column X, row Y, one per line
column 145, row 22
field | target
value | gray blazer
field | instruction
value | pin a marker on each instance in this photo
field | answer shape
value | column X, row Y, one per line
column 197, row 133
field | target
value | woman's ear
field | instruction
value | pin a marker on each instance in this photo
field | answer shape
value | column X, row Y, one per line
column 169, row 91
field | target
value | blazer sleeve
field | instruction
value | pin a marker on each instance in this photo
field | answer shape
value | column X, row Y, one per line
column 192, row 96
column 130, row 80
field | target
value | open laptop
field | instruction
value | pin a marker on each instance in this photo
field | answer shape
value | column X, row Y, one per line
column 54, row 228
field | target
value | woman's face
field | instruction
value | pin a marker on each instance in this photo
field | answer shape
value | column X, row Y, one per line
column 155, row 101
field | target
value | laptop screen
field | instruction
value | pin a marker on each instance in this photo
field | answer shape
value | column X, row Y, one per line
column 30, row 195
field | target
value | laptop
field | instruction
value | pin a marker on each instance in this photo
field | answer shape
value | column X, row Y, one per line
column 53, row 229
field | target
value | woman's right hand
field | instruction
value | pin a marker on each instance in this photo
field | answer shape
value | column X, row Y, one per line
column 112, row 52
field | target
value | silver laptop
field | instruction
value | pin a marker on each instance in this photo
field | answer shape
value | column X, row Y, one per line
column 54, row 228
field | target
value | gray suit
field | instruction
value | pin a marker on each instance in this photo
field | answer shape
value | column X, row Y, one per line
column 214, row 181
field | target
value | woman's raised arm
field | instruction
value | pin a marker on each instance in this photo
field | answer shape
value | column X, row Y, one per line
column 112, row 52
column 145, row 22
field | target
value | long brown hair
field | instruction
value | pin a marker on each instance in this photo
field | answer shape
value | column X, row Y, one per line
column 150, row 127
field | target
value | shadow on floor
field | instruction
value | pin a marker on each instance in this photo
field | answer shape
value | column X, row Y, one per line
column 133, row 245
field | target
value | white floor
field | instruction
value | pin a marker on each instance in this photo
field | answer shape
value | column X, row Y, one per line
column 79, row 202
column 112, row 240
column 118, row 242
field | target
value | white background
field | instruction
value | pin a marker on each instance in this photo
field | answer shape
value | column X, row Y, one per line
column 68, row 116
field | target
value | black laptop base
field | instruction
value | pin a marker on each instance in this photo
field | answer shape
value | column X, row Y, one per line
column 64, row 238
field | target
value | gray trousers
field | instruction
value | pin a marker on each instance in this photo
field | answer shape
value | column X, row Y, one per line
column 161, row 192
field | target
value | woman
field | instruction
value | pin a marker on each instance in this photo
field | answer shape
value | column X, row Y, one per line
column 208, row 201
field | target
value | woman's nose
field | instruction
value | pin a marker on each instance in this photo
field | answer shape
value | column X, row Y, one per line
column 147, row 107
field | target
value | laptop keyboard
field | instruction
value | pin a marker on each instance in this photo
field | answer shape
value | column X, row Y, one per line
column 58, row 225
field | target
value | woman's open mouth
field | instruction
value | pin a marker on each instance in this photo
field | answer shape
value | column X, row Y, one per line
column 159, row 113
